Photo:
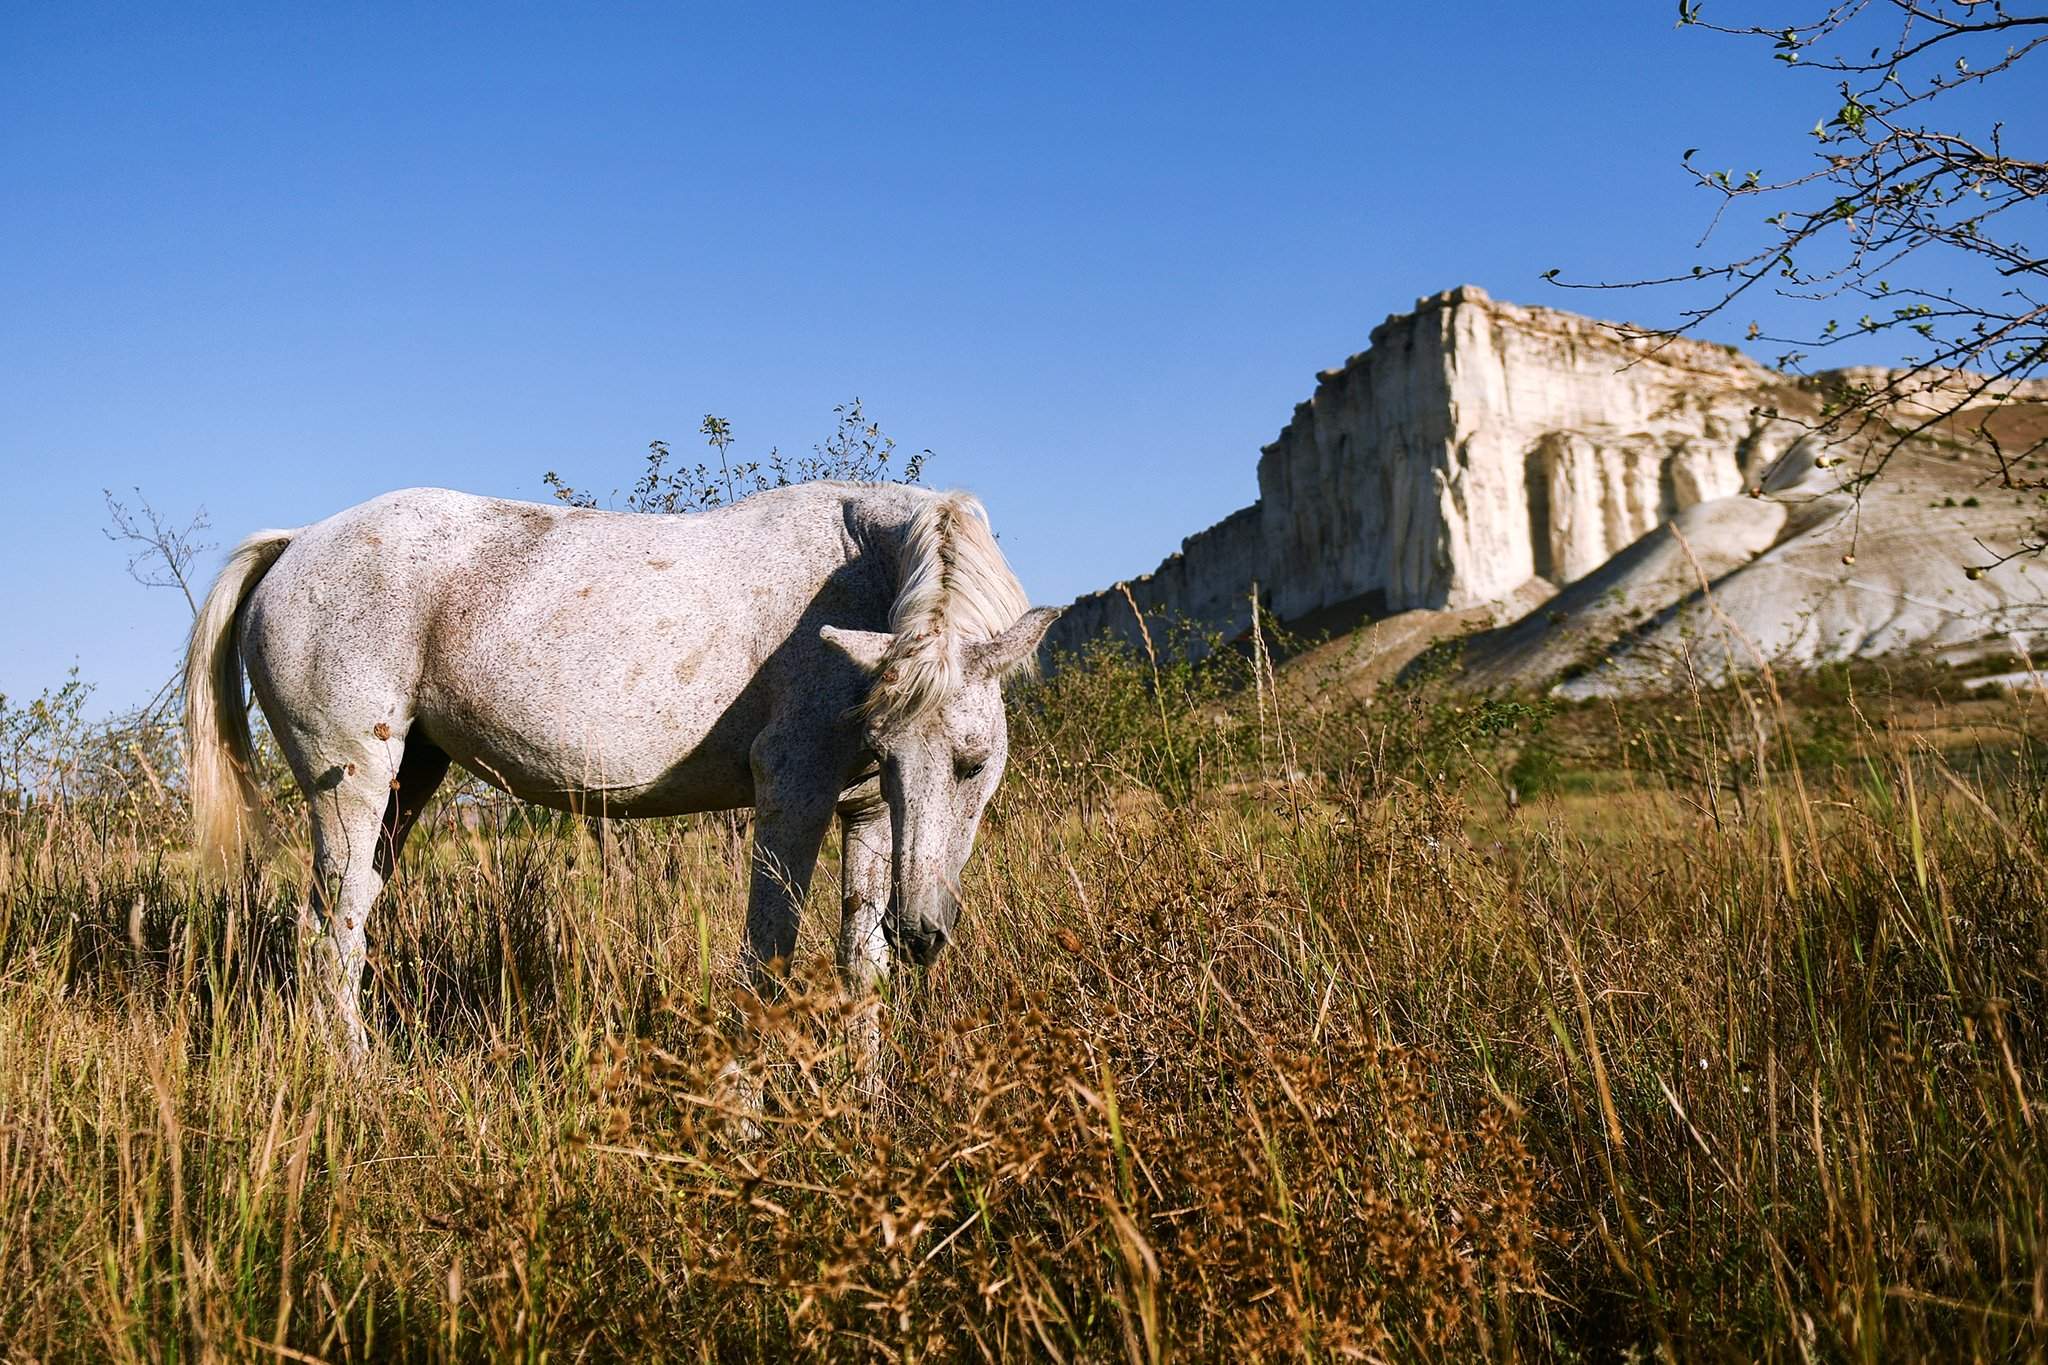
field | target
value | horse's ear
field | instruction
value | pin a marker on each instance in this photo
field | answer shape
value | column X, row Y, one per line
column 1015, row 648
column 864, row 647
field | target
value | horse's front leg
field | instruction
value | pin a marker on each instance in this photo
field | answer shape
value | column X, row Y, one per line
column 791, row 816
column 863, row 953
column 864, row 834
column 793, row 805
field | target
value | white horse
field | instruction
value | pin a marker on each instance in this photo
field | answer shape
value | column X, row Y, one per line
column 822, row 649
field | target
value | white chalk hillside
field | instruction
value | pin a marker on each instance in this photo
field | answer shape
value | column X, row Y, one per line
column 1481, row 455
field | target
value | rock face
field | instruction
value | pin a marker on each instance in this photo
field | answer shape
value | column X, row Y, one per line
column 1205, row 587
column 1476, row 445
column 1483, row 454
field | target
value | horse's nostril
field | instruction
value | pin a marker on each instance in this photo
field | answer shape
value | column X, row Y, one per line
column 920, row 943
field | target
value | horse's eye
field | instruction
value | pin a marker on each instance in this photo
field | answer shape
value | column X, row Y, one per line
column 967, row 769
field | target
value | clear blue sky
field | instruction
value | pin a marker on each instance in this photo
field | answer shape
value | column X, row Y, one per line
column 273, row 260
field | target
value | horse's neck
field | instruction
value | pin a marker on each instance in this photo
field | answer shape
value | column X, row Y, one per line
column 885, row 510
column 881, row 516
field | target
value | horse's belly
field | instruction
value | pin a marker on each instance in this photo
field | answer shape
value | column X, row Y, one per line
column 602, row 779
column 601, row 747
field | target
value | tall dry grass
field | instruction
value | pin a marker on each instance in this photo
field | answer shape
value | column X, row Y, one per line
column 1268, row 1036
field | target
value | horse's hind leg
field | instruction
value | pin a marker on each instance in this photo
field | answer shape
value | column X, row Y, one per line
column 364, row 801
column 419, row 776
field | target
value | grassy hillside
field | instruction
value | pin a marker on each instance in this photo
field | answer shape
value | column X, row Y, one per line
column 1423, row 1027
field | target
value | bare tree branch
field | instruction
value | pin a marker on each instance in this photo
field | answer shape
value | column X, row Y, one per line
column 1923, row 228
column 160, row 551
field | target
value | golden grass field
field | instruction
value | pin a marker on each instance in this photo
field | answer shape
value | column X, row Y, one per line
column 1268, row 1036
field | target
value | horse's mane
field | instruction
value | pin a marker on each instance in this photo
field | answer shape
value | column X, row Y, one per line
column 953, row 587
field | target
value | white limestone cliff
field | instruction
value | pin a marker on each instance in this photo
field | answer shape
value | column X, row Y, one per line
column 1475, row 445
column 1482, row 454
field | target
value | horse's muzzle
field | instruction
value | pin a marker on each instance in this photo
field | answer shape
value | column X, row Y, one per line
column 919, row 943
column 920, row 937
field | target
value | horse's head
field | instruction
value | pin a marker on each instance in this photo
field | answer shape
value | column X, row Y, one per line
column 934, row 722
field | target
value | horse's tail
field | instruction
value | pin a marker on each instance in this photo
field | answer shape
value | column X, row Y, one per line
column 219, row 756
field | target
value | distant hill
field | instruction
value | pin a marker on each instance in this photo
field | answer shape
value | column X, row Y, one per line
column 1528, row 468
